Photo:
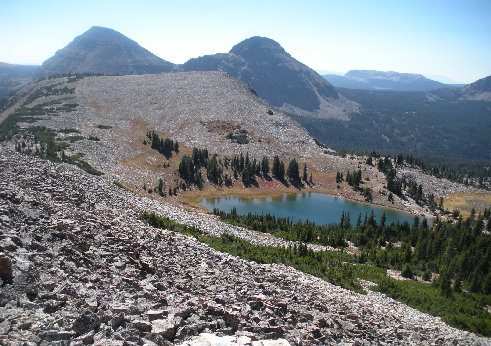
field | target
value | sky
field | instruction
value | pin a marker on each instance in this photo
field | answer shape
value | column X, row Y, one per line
column 446, row 40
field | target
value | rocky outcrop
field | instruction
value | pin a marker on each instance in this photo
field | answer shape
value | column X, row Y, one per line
column 86, row 270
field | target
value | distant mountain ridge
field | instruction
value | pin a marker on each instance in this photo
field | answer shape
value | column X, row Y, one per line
column 383, row 80
column 106, row 51
column 480, row 90
column 276, row 77
column 13, row 77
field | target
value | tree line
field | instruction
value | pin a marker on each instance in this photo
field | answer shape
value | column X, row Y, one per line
column 459, row 252
column 249, row 170
column 164, row 146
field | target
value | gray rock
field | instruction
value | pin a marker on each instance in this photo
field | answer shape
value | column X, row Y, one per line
column 55, row 335
column 156, row 314
column 5, row 327
column 166, row 328
column 63, row 292
column 117, row 320
column 85, row 322
column 142, row 326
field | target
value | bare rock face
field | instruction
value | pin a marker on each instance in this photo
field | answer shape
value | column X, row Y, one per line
column 78, row 277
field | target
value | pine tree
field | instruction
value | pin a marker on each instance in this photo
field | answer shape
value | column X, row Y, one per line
column 407, row 271
column 278, row 168
column 265, row 166
column 293, row 172
column 339, row 178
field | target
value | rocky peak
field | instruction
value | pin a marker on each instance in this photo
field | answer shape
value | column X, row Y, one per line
column 104, row 50
column 258, row 48
column 273, row 73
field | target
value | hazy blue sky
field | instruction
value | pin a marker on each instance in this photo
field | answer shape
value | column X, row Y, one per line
column 449, row 38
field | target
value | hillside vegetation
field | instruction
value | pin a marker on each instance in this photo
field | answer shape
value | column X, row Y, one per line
column 409, row 122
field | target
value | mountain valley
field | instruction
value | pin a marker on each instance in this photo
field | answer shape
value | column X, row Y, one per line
column 106, row 149
column 381, row 80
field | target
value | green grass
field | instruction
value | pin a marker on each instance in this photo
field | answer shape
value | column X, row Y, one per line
column 76, row 160
column 73, row 139
column 462, row 310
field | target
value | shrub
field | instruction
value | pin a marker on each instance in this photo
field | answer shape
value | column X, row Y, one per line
column 407, row 271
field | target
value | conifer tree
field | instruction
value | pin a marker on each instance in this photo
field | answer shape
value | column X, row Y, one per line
column 265, row 166
column 292, row 171
column 278, row 168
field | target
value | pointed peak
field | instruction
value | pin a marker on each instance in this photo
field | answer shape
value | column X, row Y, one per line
column 105, row 50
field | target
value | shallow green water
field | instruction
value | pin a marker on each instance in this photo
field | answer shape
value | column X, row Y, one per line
column 318, row 208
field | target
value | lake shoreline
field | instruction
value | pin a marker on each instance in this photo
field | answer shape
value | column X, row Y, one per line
column 316, row 207
column 194, row 201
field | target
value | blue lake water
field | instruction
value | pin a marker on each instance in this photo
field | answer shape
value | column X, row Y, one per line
column 318, row 208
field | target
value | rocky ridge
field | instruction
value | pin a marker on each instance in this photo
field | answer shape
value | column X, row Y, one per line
column 86, row 270
column 391, row 80
column 480, row 90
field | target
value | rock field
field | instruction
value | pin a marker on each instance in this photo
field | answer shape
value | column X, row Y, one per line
column 194, row 108
column 86, row 270
column 181, row 105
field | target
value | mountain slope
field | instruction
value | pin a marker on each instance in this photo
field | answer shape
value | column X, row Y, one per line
column 444, row 124
column 12, row 77
column 344, row 82
column 276, row 77
column 95, row 274
column 480, row 90
column 106, row 51
column 381, row 80
column 198, row 109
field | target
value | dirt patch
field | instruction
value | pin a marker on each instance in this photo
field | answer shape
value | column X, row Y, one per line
column 464, row 202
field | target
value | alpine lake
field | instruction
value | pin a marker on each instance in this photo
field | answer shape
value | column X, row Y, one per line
column 318, row 208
